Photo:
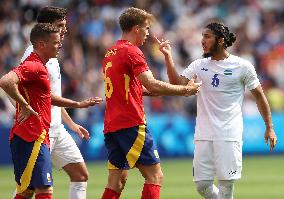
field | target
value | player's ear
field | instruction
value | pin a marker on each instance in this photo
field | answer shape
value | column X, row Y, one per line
column 221, row 41
column 41, row 44
column 135, row 28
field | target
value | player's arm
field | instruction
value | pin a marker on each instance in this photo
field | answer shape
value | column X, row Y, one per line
column 64, row 102
column 148, row 93
column 264, row 109
column 9, row 83
column 81, row 131
column 13, row 102
column 174, row 77
column 162, row 88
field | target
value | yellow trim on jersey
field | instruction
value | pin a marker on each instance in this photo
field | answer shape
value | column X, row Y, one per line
column 111, row 166
column 27, row 174
column 135, row 151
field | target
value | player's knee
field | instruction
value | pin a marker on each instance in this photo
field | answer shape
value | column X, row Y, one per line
column 156, row 178
column 226, row 189
column 81, row 176
column 84, row 176
column 204, row 186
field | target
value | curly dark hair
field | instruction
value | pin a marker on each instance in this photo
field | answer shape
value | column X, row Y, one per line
column 50, row 14
column 222, row 31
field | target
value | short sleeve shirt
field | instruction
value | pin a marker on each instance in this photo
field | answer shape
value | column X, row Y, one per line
column 219, row 102
column 124, row 104
column 34, row 86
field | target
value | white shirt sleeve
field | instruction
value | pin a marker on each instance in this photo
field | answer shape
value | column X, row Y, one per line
column 250, row 79
column 190, row 71
column 27, row 53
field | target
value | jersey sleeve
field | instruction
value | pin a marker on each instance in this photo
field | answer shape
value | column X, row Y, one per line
column 27, row 72
column 27, row 53
column 250, row 78
column 137, row 61
column 190, row 71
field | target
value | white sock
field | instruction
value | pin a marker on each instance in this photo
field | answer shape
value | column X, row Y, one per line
column 207, row 189
column 77, row 190
column 226, row 189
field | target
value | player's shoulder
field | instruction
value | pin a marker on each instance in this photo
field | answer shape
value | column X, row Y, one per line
column 241, row 61
column 32, row 62
column 199, row 62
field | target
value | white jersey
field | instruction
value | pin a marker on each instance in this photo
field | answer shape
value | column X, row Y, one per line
column 219, row 102
column 55, row 85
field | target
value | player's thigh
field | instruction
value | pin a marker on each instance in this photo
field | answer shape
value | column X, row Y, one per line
column 148, row 154
column 32, row 164
column 130, row 146
column 115, row 155
column 228, row 158
column 203, row 160
column 65, row 150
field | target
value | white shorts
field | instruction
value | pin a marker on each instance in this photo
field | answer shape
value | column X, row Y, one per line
column 217, row 158
column 64, row 150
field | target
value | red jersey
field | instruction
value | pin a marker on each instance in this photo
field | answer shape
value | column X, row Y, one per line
column 34, row 86
column 124, row 104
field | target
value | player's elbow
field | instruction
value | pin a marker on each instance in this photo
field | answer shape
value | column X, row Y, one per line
column 3, row 84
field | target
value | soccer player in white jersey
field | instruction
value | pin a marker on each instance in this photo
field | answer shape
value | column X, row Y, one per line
column 219, row 122
column 64, row 152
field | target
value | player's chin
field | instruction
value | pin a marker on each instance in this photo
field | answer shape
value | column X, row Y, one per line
column 55, row 55
column 206, row 54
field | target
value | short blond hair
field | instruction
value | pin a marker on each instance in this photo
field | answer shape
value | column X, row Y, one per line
column 132, row 17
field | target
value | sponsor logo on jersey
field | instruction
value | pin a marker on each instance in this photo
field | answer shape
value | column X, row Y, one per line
column 205, row 69
column 228, row 72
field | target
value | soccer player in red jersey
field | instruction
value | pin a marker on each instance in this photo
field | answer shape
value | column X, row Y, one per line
column 127, row 77
column 28, row 84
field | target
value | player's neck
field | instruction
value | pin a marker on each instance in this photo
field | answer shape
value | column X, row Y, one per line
column 41, row 56
column 221, row 55
column 129, row 37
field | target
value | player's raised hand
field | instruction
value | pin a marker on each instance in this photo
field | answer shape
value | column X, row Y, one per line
column 270, row 136
column 81, row 131
column 25, row 113
column 90, row 102
column 164, row 45
column 194, row 86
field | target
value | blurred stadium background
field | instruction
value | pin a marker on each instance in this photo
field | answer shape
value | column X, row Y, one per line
column 93, row 27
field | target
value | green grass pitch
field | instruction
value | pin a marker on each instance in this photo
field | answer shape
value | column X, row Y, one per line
column 262, row 178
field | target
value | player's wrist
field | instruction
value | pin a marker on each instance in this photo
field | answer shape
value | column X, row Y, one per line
column 269, row 126
column 25, row 105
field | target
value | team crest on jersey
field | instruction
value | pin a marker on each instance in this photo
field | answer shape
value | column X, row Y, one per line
column 228, row 72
